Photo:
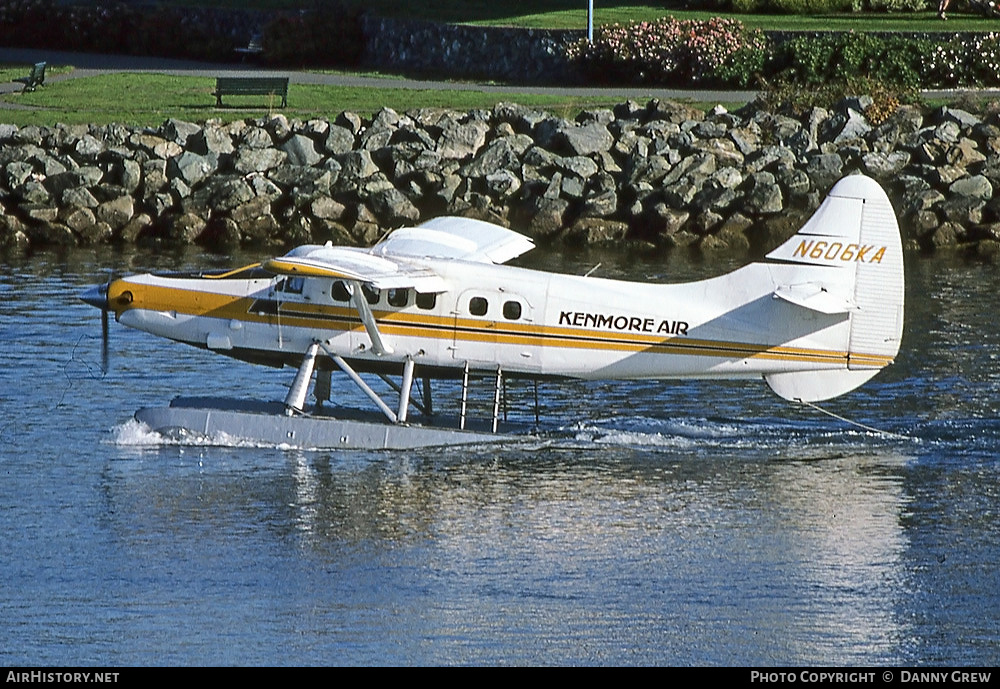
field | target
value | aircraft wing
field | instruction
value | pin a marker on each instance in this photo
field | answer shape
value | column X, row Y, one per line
column 357, row 265
column 395, row 261
column 456, row 238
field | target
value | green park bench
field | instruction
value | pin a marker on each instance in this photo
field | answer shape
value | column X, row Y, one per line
column 35, row 79
column 251, row 86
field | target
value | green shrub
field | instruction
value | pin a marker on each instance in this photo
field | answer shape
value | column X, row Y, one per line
column 810, row 6
column 897, row 5
column 816, row 60
column 328, row 35
column 797, row 99
column 117, row 27
column 748, row 6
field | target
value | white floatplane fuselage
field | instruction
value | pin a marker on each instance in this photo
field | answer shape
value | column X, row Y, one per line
column 819, row 317
column 524, row 321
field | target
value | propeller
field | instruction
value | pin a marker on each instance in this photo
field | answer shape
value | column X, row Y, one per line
column 104, row 340
column 97, row 296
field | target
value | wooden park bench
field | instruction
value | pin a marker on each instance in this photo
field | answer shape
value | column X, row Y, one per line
column 35, row 79
column 251, row 86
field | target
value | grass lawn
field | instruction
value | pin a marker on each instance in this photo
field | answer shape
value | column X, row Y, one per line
column 562, row 14
column 8, row 73
column 148, row 99
column 572, row 14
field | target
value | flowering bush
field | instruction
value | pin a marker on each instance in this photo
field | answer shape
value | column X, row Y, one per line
column 973, row 60
column 826, row 6
column 674, row 51
column 722, row 52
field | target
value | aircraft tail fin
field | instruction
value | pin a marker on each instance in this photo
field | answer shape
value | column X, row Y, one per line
column 847, row 258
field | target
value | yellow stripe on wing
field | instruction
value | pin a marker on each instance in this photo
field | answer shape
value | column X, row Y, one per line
column 282, row 266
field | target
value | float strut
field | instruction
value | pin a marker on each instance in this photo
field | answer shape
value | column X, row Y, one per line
column 404, row 390
column 322, row 387
column 365, row 388
column 295, row 401
column 399, row 388
column 428, row 400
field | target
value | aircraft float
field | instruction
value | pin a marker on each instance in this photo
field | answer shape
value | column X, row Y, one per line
column 817, row 317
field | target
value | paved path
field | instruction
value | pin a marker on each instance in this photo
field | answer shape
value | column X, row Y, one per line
column 91, row 64
column 87, row 64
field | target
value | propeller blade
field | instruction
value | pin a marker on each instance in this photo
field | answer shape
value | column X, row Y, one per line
column 97, row 296
column 104, row 340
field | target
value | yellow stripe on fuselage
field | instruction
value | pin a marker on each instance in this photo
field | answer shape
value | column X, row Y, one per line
column 412, row 324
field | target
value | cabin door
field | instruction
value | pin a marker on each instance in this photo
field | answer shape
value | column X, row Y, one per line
column 491, row 330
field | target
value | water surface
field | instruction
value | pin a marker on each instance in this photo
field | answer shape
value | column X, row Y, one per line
column 664, row 523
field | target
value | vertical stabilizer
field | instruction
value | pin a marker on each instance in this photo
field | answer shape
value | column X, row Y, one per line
column 850, row 252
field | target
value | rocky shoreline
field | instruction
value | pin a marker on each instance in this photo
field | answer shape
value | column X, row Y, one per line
column 659, row 174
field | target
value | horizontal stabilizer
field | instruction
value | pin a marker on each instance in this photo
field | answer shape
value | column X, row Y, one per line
column 815, row 297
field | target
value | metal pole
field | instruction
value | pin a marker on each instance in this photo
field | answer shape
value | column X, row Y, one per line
column 505, row 400
column 536, row 403
column 590, row 21
column 465, row 395
column 496, row 399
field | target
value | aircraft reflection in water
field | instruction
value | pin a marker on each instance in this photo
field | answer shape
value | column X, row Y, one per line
column 819, row 317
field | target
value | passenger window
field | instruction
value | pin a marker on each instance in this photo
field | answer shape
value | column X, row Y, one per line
column 399, row 297
column 339, row 291
column 371, row 294
column 426, row 301
column 478, row 306
column 512, row 310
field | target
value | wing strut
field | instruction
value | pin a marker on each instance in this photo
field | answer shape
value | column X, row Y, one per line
column 365, row 312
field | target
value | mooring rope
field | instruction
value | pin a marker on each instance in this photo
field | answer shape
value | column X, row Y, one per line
column 851, row 422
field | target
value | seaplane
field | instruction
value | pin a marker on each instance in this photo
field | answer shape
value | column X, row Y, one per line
column 815, row 318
